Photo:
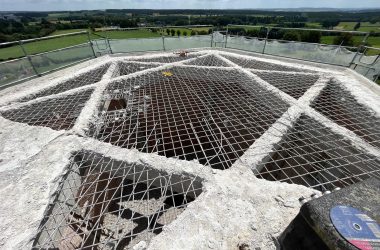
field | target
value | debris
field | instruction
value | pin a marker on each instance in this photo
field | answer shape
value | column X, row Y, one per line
column 167, row 73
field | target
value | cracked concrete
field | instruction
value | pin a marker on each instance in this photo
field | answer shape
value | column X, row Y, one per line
column 235, row 208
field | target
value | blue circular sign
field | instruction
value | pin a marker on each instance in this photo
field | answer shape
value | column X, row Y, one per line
column 356, row 227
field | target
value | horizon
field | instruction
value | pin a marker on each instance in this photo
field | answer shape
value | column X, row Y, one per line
column 260, row 9
column 82, row 5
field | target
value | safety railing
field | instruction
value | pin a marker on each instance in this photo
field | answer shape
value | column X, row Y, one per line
column 36, row 57
column 367, row 63
column 358, row 58
column 26, row 62
column 32, row 62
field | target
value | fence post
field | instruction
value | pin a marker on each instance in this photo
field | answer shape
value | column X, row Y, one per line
column 225, row 43
column 29, row 59
column 109, row 45
column 266, row 39
column 376, row 77
column 163, row 42
column 212, row 36
column 356, row 54
column 89, row 40
column 365, row 38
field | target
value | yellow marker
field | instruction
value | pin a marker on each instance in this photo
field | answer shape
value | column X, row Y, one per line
column 167, row 73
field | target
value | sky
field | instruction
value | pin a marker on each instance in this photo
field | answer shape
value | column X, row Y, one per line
column 47, row 5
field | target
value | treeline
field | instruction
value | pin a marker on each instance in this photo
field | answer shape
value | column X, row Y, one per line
column 173, row 32
column 310, row 36
column 223, row 20
column 303, row 36
column 12, row 30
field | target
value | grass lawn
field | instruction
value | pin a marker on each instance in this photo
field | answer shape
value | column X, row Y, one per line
column 313, row 25
column 60, row 32
column 42, row 46
column 188, row 30
column 114, row 34
column 369, row 27
column 62, row 42
column 364, row 26
column 373, row 41
column 345, row 26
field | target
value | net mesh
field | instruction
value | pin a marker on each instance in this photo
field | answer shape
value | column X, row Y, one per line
column 256, row 64
column 312, row 155
column 166, row 59
column 84, row 79
column 340, row 106
column 107, row 204
column 126, row 68
column 210, row 60
column 294, row 85
column 209, row 115
column 57, row 113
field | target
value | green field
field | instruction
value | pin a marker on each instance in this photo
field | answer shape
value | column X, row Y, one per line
column 62, row 42
column 364, row 26
column 373, row 41
column 60, row 32
column 128, row 34
column 313, row 25
column 42, row 46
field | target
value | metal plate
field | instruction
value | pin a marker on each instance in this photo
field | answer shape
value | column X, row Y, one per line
column 356, row 227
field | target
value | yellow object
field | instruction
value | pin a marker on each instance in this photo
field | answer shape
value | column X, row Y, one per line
column 167, row 73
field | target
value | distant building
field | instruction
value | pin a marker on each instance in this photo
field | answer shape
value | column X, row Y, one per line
column 156, row 14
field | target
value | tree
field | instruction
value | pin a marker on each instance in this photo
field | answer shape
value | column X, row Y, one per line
column 3, row 38
column 291, row 36
column 311, row 36
column 329, row 24
column 184, row 33
column 168, row 32
column 345, row 39
column 373, row 21
column 357, row 26
column 178, row 32
column 172, row 32
column 193, row 33
column 252, row 33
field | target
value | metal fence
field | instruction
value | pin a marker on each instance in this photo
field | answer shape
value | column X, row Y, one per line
column 33, row 61
column 30, row 64
column 357, row 58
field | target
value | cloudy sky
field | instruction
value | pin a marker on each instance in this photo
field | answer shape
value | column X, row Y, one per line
column 43, row 5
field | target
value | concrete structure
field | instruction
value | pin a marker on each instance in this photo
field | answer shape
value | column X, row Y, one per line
column 160, row 151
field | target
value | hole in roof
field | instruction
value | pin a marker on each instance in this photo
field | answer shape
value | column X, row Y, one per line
column 208, row 115
column 56, row 113
column 340, row 106
column 294, row 85
column 126, row 68
column 116, row 104
column 209, row 60
column 103, row 203
column 261, row 65
column 312, row 155
column 84, row 79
